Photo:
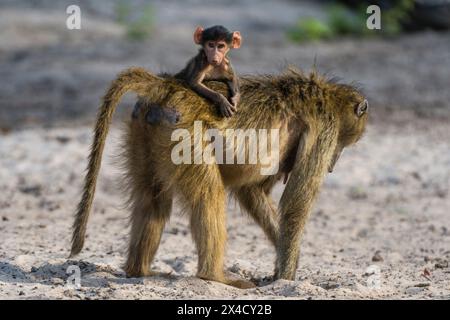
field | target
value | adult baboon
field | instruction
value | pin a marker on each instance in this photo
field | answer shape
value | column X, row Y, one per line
column 316, row 119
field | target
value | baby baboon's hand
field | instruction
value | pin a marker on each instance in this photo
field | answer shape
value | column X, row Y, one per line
column 235, row 100
column 226, row 108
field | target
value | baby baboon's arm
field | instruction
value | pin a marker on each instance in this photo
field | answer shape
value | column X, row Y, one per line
column 226, row 109
column 233, row 87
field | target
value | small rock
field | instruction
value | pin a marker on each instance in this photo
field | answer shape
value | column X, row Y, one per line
column 387, row 176
column 173, row 230
column 63, row 139
column 416, row 175
column 178, row 265
column 414, row 290
column 422, row 285
column 47, row 204
column 357, row 193
column 441, row 264
column 377, row 257
column 5, row 218
column 35, row 190
column 362, row 233
column 68, row 293
column 441, row 193
column 21, row 293
column 329, row 285
column 393, row 181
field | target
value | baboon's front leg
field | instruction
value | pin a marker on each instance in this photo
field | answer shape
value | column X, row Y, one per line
column 150, row 213
column 312, row 160
column 261, row 208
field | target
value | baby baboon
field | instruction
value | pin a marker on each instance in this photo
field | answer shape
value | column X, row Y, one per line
column 212, row 63
column 316, row 119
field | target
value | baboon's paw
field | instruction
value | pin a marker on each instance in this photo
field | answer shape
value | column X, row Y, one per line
column 241, row 283
column 231, row 281
column 147, row 273
column 162, row 274
column 137, row 274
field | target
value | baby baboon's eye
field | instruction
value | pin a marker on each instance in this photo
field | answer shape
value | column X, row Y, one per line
column 221, row 46
column 211, row 44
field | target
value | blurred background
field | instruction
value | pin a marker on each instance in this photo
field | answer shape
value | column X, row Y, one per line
column 52, row 75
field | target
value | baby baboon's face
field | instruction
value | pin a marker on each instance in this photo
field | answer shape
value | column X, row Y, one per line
column 216, row 51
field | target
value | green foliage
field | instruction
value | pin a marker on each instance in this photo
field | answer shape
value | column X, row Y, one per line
column 309, row 29
column 346, row 22
column 138, row 27
column 392, row 19
column 342, row 21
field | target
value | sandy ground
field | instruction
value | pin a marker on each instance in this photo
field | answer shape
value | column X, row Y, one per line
column 380, row 228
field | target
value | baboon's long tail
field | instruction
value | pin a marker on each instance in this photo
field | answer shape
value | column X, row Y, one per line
column 134, row 79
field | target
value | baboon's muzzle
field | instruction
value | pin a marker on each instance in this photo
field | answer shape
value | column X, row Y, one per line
column 334, row 160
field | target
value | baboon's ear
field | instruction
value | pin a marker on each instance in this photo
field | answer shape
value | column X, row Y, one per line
column 362, row 108
column 237, row 39
column 198, row 35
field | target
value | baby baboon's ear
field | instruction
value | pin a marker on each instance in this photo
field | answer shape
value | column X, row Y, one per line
column 362, row 108
column 198, row 35
column 237, row 39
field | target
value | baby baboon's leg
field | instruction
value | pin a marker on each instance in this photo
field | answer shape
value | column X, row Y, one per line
column 260, row 207
column 150, row 212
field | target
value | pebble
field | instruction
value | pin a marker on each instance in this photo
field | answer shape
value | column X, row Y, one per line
column 357, row 193
column 414, row 290
column 35, row 190
column 441, row 264
column 63, row 139
column 329, row 285
column 377, row 257
column 422, row 285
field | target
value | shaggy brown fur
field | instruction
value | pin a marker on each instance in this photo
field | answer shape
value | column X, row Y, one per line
column 316, row 118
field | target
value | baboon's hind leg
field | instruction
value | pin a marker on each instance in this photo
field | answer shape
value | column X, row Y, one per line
column 206, row 198
column 150, row 212
column 259, row 205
